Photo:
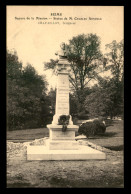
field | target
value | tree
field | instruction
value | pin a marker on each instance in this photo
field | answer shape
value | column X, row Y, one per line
column 107, row 96
column 86, row 62
column 26, row 95
column 116, row 59
column 34, row 100
column 116, row 63
column 13, row 65
column 13, row 70
column 52, row 100
column 83, row 53
column 98, row 101
column 105, row 99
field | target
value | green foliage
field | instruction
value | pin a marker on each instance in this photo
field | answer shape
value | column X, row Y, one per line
column 100, row 126
column 83, row 53
column 96, row 103
column 115, row 58
column 116, row 63
column 73, row 104
column 13, row 66
column 52, row 100
column 87, row 129
column 26, row 95
column 77, row 106
column 51, row 65
column 106, row 99
column 86, row 62
column 92, row 128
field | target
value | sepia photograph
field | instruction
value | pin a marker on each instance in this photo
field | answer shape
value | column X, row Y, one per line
column 65, row 96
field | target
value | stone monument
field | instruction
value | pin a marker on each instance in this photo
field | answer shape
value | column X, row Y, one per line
column 61, row 144
column 58, row 138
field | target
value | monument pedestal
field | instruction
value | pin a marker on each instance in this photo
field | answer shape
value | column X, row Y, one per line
column 56, row 133
column 60, row 140
column 63, row 146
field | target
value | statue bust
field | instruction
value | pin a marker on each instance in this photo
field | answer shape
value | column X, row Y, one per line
column 63, row 52
column 63, row 62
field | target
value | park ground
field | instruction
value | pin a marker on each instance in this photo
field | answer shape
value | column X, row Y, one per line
column 107, row 173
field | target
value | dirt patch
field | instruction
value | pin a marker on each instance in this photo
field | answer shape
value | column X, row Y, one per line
column 62, row 174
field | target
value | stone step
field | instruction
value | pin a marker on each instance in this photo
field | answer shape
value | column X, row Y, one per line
column 83, row 153
column 62, row 145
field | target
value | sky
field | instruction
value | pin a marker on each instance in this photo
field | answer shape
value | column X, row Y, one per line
column 36, row 34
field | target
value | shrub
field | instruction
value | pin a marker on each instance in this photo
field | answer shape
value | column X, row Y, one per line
column 92, row 128
column 87, row 129
column 100, row 126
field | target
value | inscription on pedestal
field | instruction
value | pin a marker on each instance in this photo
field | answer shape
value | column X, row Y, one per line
column 57, row 135
column 62, row 100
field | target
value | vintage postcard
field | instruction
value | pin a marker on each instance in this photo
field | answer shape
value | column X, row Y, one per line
column 65, row 100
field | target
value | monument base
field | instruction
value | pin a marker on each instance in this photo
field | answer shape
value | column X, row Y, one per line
column 83, row 153
column 62, row 145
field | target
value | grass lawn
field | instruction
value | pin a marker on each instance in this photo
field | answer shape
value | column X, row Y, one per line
column 113, row 136
column 27, row 134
